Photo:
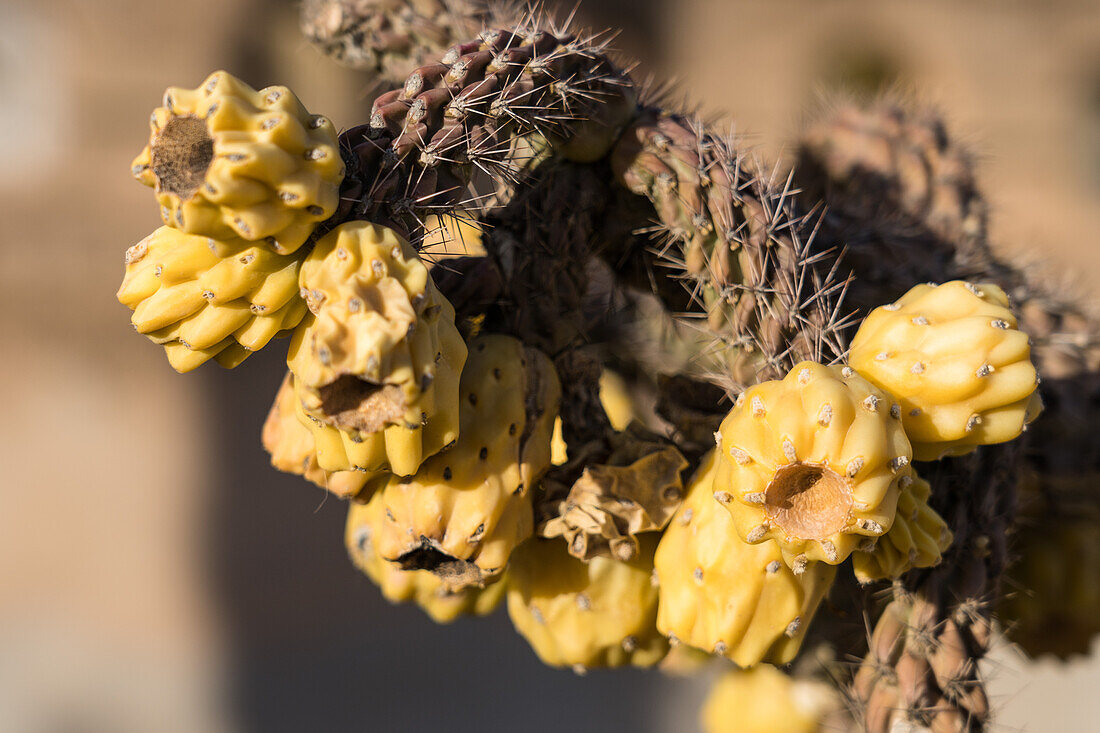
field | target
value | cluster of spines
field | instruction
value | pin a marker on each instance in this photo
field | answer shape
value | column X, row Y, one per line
column 480, row 115
column 750, row 263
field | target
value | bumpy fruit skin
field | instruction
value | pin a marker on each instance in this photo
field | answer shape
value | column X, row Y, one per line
column 954, row 358
column 468, row 507
column 814, row 461
column 292, row 450
column 724, row 595
column 377, row 360
column 418, row 586
column 600, row 613
column 204, row 298
column 917, row 539
column 634, row 490
column 765, row 700
column 229, row 161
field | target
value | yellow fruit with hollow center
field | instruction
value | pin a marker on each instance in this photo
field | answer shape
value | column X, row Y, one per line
column 204, row 298
column 292, row 450
column 600, row 613
column 814, row 461
column 229, row 161
column 917, row 539
column 418, row 586
column 377, row 360
column 953, row 357
column 724, row 595
column 467, row 508
column 377, row 332
column 765, row 700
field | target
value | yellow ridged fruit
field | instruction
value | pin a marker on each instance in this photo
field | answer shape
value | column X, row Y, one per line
column 814, row 461
column 204, row 298
column 421, row 587
column 600, row 613
column 765, row 700
column 917, row 539
column 229, row 161
column 377, row 361
column 724, row 595
column 291, row 447
column 953, row 357
column 468, row 507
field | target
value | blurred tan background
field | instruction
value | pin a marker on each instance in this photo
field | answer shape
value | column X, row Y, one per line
column 157, row 575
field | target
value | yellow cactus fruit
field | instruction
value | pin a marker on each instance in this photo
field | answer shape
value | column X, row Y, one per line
column 291, row 447
column 421, row 587
column 467, row 508
column 205, row 298
column 635, row 490
column 953, row 357
column 616, row 400
column 582, row 615
column 917, row 539
column 378, row 359
column 765, row 700
column 229, row 161
column 814, row 461
column 726, row 596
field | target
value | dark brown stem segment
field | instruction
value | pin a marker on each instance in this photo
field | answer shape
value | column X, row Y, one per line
column 476, row 118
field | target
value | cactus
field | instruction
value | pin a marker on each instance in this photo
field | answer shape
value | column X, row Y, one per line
column 814, row 462
column 600, row 613
column 917, row 539
column 204, row 298
column 388, row 36
column 376, row 364
column 723, row 595
column 228, row 161
column 461, row 514
column 639, row 291
column 954, row 357
column 422, row 587
column 292, row 448
column 765, row 700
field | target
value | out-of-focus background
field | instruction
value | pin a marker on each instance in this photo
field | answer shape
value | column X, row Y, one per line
column 157, row 575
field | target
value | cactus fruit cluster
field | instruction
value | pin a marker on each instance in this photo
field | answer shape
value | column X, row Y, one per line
column 558, row 343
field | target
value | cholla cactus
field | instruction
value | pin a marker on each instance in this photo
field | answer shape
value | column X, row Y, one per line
column 462, row 397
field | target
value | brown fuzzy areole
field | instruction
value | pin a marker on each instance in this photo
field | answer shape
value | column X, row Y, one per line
column 353, row 404
column 808, row 501
column 182, row 153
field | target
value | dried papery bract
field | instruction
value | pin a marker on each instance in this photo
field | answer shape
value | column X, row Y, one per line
column 613, row 503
